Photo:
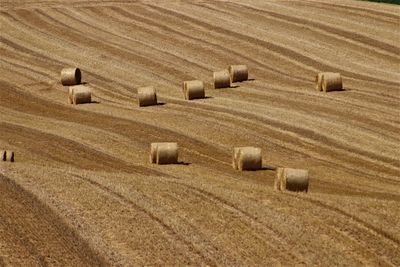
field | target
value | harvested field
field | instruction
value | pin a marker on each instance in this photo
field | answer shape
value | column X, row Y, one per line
column 82, row 191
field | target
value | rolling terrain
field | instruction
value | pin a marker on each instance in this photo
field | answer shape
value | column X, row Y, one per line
column 83, row 193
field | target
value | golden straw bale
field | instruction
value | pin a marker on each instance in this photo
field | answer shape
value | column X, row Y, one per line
column 235, row 157
column 81, row 94
column 278, row 179
column 249, row 158
column 318, row 81
column 238, row 73
column 9, row 156
column 193, row 89
column 70, row 94
column 332, row 82
column 222, row 79
column 153, row 152
column 3, row 155
column 147, row 96
column 295, row 180
column 71, row 76
column 166, row 153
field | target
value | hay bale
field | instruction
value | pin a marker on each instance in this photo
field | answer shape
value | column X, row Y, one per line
column 295, row 180
column 331, row 82
column 278, row 179
column 235, row 157
column 9, row 156
column 3, row 155
column 71, row 76
column 222, row 79
column 193, row 89
column 147, row 96
column 70, row 94
column 164, row 153
column 249, row 158
column 318, row 81
column 238, row 73
column 153, row 152
column 80, row 94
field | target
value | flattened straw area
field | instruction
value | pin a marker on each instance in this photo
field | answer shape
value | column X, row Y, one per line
column 147, row 96
column 238, row 73
column 71, row 76
column 222, row 79
column 193, row 89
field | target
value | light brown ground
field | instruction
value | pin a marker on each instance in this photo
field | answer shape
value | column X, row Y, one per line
column 82, row 192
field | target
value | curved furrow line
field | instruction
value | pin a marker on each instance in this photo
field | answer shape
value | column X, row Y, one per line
column 169, row 229
column 359, row 103
column 369, row 229
column 66, row 151
column 347, row 15
column 321, row 109
column 310, row 64
column 316, row 138
column 258, row 222
column 23, row 70
column 74, row 38
column 276, row 136
column 320, row 24
column 253, row 220
column 378, row 13
column 264, row 66
column 17, row 64
column 142, row 131
column 386, row 51
column 25, row 220
column 349, row 240
column 224, row 51
column 87, row 22
column 359, row 100
column 79, row 36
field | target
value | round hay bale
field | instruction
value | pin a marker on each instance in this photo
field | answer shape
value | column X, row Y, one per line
column 71, row 76
column 147, row 96
column 3, row 155
column 153, row 152
column 295, row 180
column 222, row 79
column 235, row 157
column 70, row 94
column 250, row 159
column 238, row 73
column 81, row 94
column 9, row 156
column 332, row 82
column 167, row 153
column 193, row 89
column 318, row 81
column 278, row 179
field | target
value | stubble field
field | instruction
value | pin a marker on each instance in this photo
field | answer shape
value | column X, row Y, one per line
column 83, row 193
